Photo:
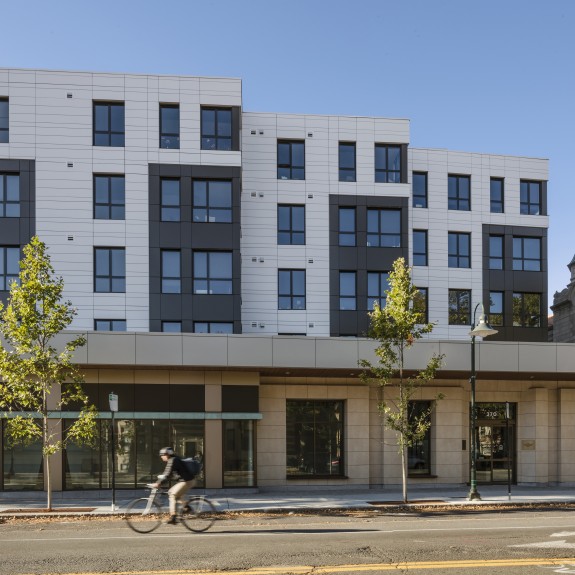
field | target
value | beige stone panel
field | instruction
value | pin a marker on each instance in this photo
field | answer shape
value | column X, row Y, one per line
column 155, row 349
column 448, row 458
column 187, row 377
column 116, row 376
column 106, row 350
column 358, row 391
column 213, row 378
column 151, row 376
column 336, row 391
column 268, row 476
column 317, row 391
column 271, row 405
column 90, row 375
column 358, row 470
column 273, row 432
column 296, row 391
column 271, row 445
column 272, row 391
column 197, row 350
column 213, row 398
column 213, row 446
column 266, row 458
column 537, row 358
column 240, row 378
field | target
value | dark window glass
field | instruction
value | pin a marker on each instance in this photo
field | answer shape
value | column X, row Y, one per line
column 420, row 304
column 291, row 225
column 169, row 126
column 459, row 193
column 170, row 200
column 172, row 326
column 171, row 271
column 527, row 309
column 527, row 254
column 213, row 273
column 291, row 160
column 213, row 327
column 110, row 324
column 387, row 163
column 496, row 308
column 216, row 129
column 314, row 437
column 459, row 246
column 419, row 247
column 496, row 195
column 9, row 266
column 291, row 289
column 9, row 195
column 419, row 453
column 4, row 121
column 110, row 270
column 419, row 190
column 212, row 201
column 109, row 198
column 377, row 285
column 347, row 162
column 383, row 228
column 347, row 291
column 109, row 124
column 459, row 307
column 495, row 252
column 347, row 226
column 530, row 198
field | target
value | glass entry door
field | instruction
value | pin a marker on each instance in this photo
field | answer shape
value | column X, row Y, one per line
column 495, row 453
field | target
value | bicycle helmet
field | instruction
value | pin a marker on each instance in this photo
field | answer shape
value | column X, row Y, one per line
column 167, row 451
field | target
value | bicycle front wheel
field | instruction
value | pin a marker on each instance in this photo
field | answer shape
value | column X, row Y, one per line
column 201, row 516
column 143, row 515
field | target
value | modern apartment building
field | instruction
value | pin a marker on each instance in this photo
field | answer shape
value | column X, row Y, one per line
column 167, row 208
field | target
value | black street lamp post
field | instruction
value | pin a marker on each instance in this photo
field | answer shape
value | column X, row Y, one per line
column 113, row 399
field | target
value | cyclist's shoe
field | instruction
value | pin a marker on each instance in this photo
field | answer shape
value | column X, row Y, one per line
column 186, row 509
column 172, row 520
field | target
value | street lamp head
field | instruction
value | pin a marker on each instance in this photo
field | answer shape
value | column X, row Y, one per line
column 482, row 329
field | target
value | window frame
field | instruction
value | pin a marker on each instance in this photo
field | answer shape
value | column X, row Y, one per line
column 111, row 324
column 350, row 173
column 209, row 278
column 109, row 206
column 5, row 126
column 458, row 256
column 212, row 324
column 290, row 166
column 211, row 205
column 458, row 311
column 496, row 259
column 381, row 278
column 422, row 295
column 169, row 137
column 422, row 197
column 5, row 202
column 221, row 141
column 496, row 315
column 384, row 174
column 290, row 296
column 7, row 276
column 170, row 280
column 109, row 276
column 174, row 323
column 526, row 205
column 521, row 261
column 289, row 232
column 346, row 298
column 422, row 446
column 166, row 208
column 383, row 237
column 110, row 132
column 457, row 201
column 497, row 202
column 418, row 256
column 522, row 296
column 344, row 233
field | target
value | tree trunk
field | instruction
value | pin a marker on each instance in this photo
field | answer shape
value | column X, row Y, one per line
column 404, row 472
column 47, row 467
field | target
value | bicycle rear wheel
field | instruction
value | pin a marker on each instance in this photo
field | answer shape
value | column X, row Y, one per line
column 143, row 515
column 201, row 516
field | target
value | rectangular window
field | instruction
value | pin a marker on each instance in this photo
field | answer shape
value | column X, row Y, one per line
column 419, row 247
column 420, row 304
column 291, row 160
column 172, row 326
column 496, row 308
column 212, row 201
column 527, row 254
column 216, row 129
column 109, row 198
column 170, row 200
column 213, row 327
column 527, row 309
column 377, row 285
column 314, row 437
column 347, row 161
column 291, row 225
column 109, row 124
column 213, row 273
column 110, row 324
column 346, row 226
column 459, row 307
column 9, row 195
column 4, row 121
column 291, row 289
column 495, row 252
column 387, row 163
column 9, row 266
column 459, row 193
column 110, row 270
column 530, row 198
column 496, row 195
column 171, row 271
column 347, row 291
column 419, row 454
column 459, row 246
column 239, row 446
column 170, row 126
column 419, row 190
column 383, row 228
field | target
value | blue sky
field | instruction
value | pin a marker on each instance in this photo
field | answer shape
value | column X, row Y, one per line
column 495, row 76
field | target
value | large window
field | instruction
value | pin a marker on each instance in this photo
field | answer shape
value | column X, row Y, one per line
column 291, row 160
column 9, row 266
column 419, row 199
column 9, row 196
column 109, row 198
column 4, row 121
column 347, row 291
column 291, row 289
column 496, row 196
column 384, row 228
column 110, row 325
column 496, row 308
column 527, row 254
column 212, row 201
column 170, row 200
column 377, row 285
column 387, row 163
column 22, row 469
column 110, row 270
column 420, row 304
column 291, row 225
column 216, row 129
column 347, row 162
column 419, row 247
column 459, row 307
column 171, row 271
column 314, row 438
column 172, row 326
column 419, row 454
column 346, row 226
column 109, row 124
column 459, row 250
column 213, row 273
column 459, row 192
column 527, row 309
column 495, row 252
column 239, row 463
column 530, row 197
column 213, row 327
column 169, row 126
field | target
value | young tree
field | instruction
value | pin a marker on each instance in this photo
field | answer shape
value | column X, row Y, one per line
column 31, row 368
column 396, row 327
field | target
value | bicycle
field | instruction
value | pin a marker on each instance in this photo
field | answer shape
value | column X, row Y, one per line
column 144, row 514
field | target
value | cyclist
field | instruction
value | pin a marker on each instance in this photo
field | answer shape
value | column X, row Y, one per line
column 175, row 468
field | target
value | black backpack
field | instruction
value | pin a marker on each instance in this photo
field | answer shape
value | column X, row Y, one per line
column 193, row 466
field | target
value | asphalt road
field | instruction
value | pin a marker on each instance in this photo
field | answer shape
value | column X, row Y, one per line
column 346, row 543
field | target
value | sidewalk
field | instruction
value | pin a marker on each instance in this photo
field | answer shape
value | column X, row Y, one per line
column 100, row 502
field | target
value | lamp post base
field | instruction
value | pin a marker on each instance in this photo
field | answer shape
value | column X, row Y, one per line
column 474, row 495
